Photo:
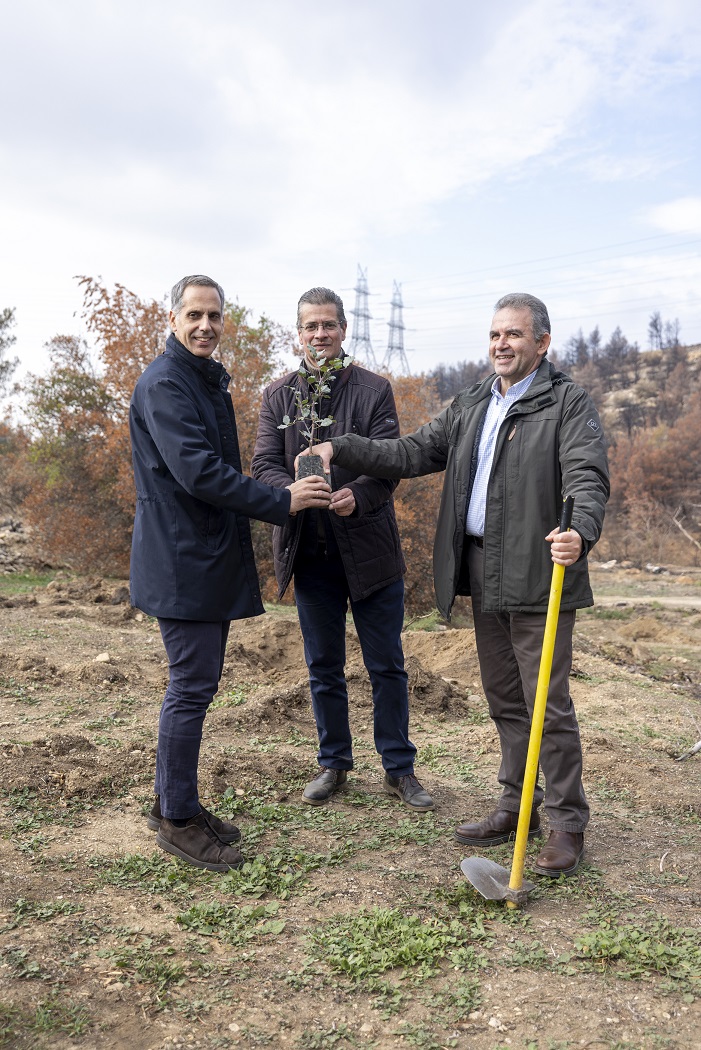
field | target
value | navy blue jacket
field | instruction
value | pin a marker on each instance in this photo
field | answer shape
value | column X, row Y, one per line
column 192, row 555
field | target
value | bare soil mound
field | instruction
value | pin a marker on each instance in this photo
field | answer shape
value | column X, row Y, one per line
column 350, row 926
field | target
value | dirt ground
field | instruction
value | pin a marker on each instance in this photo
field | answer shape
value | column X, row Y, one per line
column 351, row 925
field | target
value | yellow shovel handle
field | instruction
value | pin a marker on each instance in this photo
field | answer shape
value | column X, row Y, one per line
column 541, row 698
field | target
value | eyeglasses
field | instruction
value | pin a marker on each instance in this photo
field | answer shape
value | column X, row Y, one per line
column 328, row 326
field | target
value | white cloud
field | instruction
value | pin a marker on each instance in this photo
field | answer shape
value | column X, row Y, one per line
column 275, row 142
column 678, row 216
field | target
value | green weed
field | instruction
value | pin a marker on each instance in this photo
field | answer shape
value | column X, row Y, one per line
column 26, row 911
column 279, row 871
column 339, row 1035
column 639, row 951
column 458, row 1000
column 55, row 1014
column 419, row 1035
column 231, row 922
column 154, row 874
column 22, row 583
column 368, row 944
column 147, row 962
column 233, row 698
column 429, row 754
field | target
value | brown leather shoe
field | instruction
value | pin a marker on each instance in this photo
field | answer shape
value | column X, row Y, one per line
column 197, row 844
column 561, row 854
column 222, row 828
column 499, row 826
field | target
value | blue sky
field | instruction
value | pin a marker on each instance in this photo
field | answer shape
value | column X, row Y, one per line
column 462, row 149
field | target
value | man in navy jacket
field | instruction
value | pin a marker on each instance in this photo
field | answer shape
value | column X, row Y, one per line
column 192, row 560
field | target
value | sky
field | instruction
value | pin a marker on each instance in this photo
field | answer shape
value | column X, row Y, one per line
column 463, row 150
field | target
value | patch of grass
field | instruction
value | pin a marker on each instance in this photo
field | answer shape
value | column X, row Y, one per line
column 426, row 1038
column 28, row 811
column 280, row 871
column 429, row 754
column 21, row 965
column 467, row 772
column 431, row 621
column 58, row 1013
column 28, row 912
column 389, row 999
column 424, row 831
column 147, row 962
column 641, row 950
column 231, row 922
column 106, row 722
column 233, row 698
column 373, row 941
column 339, row 1035
column 154, row 874
column 19, row 692
column 22, row 583
column 458, row 1000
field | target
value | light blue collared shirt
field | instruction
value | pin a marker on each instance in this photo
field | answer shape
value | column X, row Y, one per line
column 498, row 407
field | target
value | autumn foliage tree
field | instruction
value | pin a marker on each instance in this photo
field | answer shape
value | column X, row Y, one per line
column 655, row 508
column 417, row 499
column 81, row 503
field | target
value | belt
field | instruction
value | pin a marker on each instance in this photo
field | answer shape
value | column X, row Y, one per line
column 477, row 540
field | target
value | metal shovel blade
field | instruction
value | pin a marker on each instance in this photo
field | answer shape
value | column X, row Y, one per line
column 492, row 881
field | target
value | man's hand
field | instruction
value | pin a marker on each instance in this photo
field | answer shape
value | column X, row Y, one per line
column 342, row 502
column 325, row 450
column 566, row 546
column 309, row 492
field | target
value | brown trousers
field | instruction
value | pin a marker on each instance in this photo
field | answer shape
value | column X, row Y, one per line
column 509, row 649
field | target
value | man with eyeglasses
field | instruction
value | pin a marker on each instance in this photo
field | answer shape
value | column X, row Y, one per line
column 512, row 447
column 348, row 554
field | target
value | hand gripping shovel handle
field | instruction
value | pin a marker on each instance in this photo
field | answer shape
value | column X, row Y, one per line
column 541, row 699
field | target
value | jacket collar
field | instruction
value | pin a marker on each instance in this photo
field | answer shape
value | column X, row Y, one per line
column 213, row 372
column 539, row 393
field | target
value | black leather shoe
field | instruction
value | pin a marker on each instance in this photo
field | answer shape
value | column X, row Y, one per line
column 410, row 791
column 499, row 826
column 222, row 828
column 197, row 844
column 561, row 854
column 322, row 787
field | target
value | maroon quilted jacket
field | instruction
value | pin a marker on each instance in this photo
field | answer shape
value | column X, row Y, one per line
column 361, row 402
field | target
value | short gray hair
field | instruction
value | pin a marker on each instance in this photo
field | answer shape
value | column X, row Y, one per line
column 178, row 290
column 539, row 312
column 322, row 297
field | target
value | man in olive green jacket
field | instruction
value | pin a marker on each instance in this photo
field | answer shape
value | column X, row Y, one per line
column 512, row 448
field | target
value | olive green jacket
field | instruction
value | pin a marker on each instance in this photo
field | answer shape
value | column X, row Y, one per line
column 550, row 445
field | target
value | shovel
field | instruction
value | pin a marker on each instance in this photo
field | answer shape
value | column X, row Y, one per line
column 489, row 878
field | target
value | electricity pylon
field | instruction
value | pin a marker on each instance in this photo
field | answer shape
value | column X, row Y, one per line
column 360, row 345
column 395, row 341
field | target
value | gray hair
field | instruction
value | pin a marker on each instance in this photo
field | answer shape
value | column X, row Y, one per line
column 322, row 297
column 540, row 320
column 178, row 291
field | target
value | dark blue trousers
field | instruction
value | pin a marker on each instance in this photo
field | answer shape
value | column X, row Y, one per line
column 195, row 651
column 322, row 597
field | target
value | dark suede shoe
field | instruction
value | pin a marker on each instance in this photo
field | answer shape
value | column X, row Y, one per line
column 197, row 844
column 410, row 791
column 499, row 826
column 222, row 828
column 322, row 787
column 561, row 854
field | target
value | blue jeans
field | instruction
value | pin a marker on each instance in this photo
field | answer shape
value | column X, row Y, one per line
column 195, row 651
column 322, row 597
